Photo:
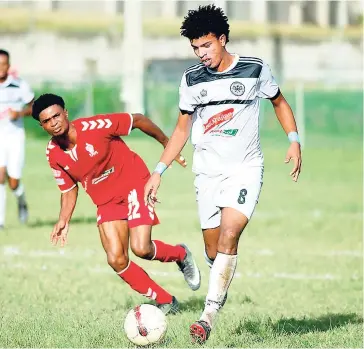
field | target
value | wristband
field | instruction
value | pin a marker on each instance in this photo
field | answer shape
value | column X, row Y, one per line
column 293, row 137
column 161, row 167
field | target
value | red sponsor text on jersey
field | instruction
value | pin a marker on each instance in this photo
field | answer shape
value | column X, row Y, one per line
column 218, row 118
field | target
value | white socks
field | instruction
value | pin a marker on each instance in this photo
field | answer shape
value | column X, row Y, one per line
column 221, row 275
column 2, row 203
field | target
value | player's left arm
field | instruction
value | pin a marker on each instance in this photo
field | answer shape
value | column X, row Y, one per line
column 28, row 99
column 269, row 89
column 286, row 118
column 147, row 126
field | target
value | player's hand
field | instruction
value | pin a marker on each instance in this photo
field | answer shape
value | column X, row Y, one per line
column 181, row 160
column 151, row 188
column 294, row 154
column 60, row 232
column 13, row 114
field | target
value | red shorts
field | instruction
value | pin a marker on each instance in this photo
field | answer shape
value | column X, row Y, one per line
column 130, row 207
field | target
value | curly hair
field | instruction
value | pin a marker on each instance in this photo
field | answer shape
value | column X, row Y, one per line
column 206, row 19
column 44, row 101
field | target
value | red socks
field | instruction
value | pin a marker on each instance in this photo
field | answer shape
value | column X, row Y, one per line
column 140, row 281
column 168, row 253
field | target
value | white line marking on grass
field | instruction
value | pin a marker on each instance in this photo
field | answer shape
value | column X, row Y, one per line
column 64, row 253
column 11, row 250
column 98, row 269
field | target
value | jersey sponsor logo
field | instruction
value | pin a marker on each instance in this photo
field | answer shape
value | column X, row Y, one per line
column 231, row 132
column 203, row 93
column 56, row 173
column 237, row 88
column 103, row 176
column 218, row 119
column 99, row 123
column 228, row 132
column 90, row 148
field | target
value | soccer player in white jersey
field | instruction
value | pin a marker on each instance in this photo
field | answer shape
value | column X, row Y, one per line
column 220, row 99
column 16, row 100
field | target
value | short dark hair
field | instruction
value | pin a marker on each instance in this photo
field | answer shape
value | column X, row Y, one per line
column 206, row 19
column 5, row 53
column 44, row 101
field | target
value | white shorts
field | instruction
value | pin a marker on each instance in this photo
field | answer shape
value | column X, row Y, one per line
column 12, row 149
column 239, row 191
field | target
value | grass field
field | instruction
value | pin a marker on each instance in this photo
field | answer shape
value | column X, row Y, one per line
column 298, row 282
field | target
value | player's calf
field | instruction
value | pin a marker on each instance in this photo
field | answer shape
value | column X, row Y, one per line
column 140, row 282
column 144, row 251
column 210, row 263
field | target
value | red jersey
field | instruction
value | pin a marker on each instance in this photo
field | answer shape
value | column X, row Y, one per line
column 100, row 160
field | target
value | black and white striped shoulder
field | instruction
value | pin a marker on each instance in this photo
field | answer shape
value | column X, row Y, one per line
column 246, row 67
column 250, row 59
column 194, row 67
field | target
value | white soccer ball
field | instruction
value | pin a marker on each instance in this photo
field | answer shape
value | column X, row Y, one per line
column 145, row 324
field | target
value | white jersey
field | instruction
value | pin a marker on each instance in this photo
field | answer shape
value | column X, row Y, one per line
column 15, row 93
column 225, row 107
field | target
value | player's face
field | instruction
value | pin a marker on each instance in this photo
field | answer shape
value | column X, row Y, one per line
column 54, row 120
column 4, row 66
column 209, row 49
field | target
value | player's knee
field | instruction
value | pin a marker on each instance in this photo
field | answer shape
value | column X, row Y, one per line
column 117, row 261
column 143, row 251
column 228, row 241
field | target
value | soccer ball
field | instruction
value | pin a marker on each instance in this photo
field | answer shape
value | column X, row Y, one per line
column 145, row 324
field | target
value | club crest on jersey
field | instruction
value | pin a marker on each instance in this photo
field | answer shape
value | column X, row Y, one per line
column 91, row 150
column 237, row 88
column 203, row 93
column 218, row 119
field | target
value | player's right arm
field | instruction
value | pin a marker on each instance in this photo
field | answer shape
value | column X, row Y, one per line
column 68, row 204
column 69, row 192
column 178, row 139
column 175, row 144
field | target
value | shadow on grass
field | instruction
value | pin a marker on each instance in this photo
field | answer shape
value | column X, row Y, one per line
column 50, row 222
column 303, row 325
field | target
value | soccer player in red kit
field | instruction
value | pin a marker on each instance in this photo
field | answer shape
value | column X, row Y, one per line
column 90, row 151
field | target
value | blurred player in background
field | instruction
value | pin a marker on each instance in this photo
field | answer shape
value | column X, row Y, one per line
column 90, row 151
column 220, row 100
column 16, row 100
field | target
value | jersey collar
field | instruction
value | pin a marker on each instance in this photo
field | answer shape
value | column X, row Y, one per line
column 231, row 66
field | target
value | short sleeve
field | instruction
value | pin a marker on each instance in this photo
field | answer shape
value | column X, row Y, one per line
column 26, row 92
column 267, row 86
column 186, row 100
column 64, row 181
column 117, row 124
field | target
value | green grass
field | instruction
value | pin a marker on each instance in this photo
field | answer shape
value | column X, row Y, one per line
column 299, row 276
